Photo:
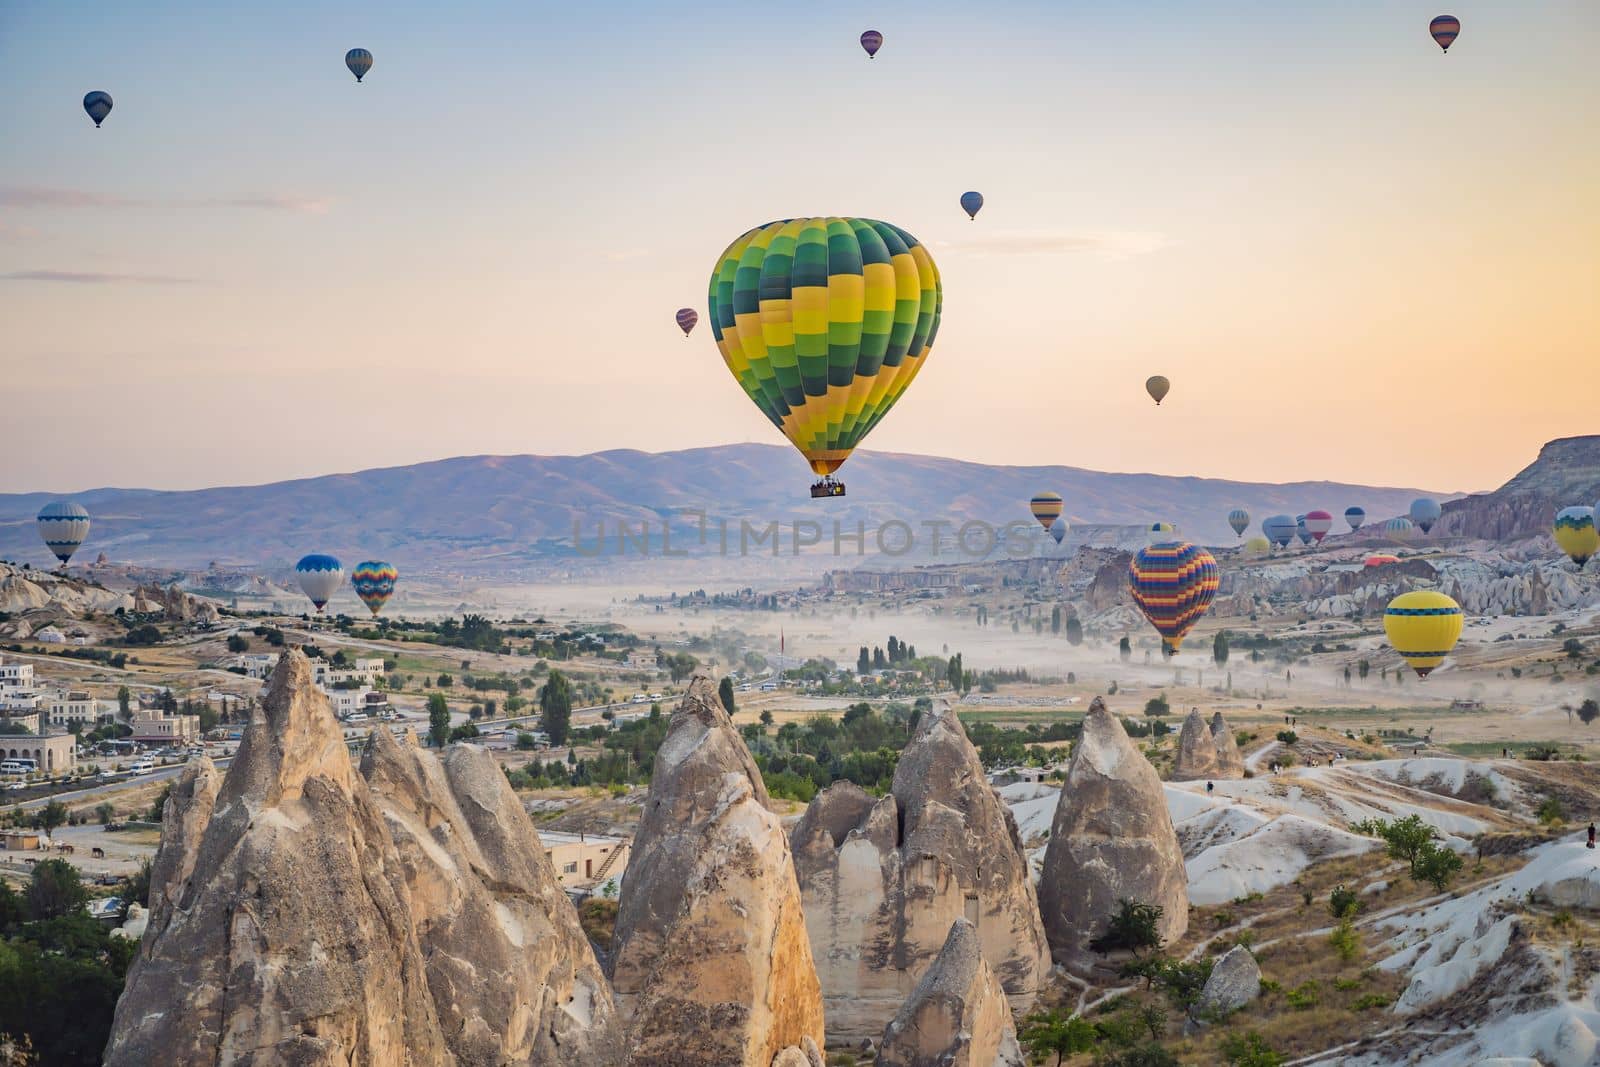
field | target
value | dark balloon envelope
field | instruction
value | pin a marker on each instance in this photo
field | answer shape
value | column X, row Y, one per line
column 972, row 203
column 359, row 60
column 872, row 40
column 687, row 317
column 98, row 105
column 1445, row 29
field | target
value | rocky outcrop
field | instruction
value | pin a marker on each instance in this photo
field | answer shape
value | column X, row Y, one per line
column 711, row 959
column 511, row 973
column 1197, row 750
column 284, row 927
column 883, row 880
column 1111, row 840
column 957, row 1016
column 173, row 604
column 1235, row 981
column 1230, row 761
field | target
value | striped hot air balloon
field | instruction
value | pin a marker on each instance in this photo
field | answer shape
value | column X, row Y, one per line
column 359, row 60
column 1161, row 533
column 1279, row 529
column 825, row 323
column 1423, row 626
column 373, row 580
column 1301, row 531
column 687, row 317
column 1318, row 523
column 871, row 41
column 319, row 577
column 1576, row 535
column 1173, row 584
column 1425, row 511
column 98, row 105
column 1046, row 508
column 63, row 525
column 1399, row 528
column 1355, row 517
column 1239, row 520
column 1444, row 29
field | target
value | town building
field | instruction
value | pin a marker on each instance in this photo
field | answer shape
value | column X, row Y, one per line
column 27, row 718
column 16, row 676
column 361, row 672
column 64, row 709
column 52, row 754
column 256, row 664
column 157, row 727
column 584, row 859
column 640, row 659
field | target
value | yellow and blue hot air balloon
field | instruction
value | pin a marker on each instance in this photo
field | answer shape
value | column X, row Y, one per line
column 1576, row 534
column 63, row 525
column 1279, row 529
column 1239, row 519
column 373, row 580
column 1173, row 584
column 825, row 323
column 359, row 60
column 1046, row 508
column 319, row 576
column 1423, row 626
column 1161, row 533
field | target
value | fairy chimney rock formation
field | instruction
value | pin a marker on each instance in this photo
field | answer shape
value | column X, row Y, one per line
column 284, row 928
column 1230, row 762
column 884, row 879
column 711, row 960
column 1111, row 840
column 957, row 1016
column 1197, row 750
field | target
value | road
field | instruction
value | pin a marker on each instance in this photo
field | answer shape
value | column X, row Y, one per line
column 73, row 796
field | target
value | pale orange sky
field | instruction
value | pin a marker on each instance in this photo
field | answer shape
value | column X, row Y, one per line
column 1355, row 257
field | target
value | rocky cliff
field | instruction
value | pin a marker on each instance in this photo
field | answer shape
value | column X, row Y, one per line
column 1566, row 472
column 957, row 1015
column 1230, row 761
column 1197, row 751
column 285, row 929
column 882, row 881
column 1111, row 840
column 711, row 959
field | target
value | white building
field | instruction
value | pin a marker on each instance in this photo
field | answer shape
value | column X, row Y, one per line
column 64, row 709
column 16, row 676
column 156, row 727
column 640, row 659
column 18, row 702
column 364, row 672
column 257, row 664
column 348, row 702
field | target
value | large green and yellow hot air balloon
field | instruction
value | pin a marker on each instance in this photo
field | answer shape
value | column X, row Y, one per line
column 1576, row 535
column 824, row 323
column 1423, row 626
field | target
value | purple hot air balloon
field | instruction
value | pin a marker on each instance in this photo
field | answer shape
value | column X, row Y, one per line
column 872, row 40
column 687, row 317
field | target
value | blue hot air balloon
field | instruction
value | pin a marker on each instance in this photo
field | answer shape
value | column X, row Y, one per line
column 1355, row 517
column 359, row 60
column 319, row 576
column 971, row 203
column 871, row 41
column 1239, row 519
column 1059, row 528
column 1301, row 531
column 98, row 105
column 1279, row 529
column 1425, row 511
column 63, row 525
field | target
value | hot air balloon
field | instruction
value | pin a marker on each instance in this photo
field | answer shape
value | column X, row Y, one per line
column 1399, row 529
column 1157, row 387
column 1355, row 517
column 1381, row 559
column 1279, row 529
column 1239, row 520
column 1161, row 533
column 872, row 40
column 824, row 323
column 1425, row 511
column 1059, row 529
column 98, row 105
column 1318, row 522
column 319, row 576
column 359, row 60
column 1300, row 530
column 971, row 203
column 1423, row 626
column 1257, row 546
column 687, row 317
column 1046, row 508
column 1575, row 533
column 1445, row 29
column 63, row 525
column 1173, row 584
column 373, row 580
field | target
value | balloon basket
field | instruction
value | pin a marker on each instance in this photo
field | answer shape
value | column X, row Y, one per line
column 827, row 487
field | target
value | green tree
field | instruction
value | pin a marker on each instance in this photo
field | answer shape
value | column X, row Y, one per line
column 1157, row 706
column 1125, row 648
column 725, row 693
column 54, row 890
column 863, row 661
column 54, row 814
column 158, row 807
column 1219, row 648
column 953, row 672
column 1589, row 711
column 1055, row 619
column 766, row 717
column 1248, row 1049
column 1437, row 866
column 1573, row 648
column 438, row 719
column 445, row 681
column 1074, row 630
column 124, row 701
column 555, row 707
column 680, row 665
column 105, row 812
column 1049, row 1033
column 1135, row 927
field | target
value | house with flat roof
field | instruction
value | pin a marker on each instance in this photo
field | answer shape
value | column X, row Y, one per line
column 583, row 860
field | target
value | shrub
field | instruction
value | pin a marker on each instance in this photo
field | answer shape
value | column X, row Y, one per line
column 1369, row 1001
column 1437, row 866
column 1135, row 927
column 1288, row 737
column 1248, row 1049
column 1345, row 941
column 1343, row 903
column 1304, row 996
column 1550, row 812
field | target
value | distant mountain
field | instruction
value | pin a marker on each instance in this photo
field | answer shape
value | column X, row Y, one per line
column 1566, row 472
column 519, row 509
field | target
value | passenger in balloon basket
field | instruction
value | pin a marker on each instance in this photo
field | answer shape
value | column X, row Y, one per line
column 828, row 486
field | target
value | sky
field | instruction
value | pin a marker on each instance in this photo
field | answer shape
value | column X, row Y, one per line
column 1355, row 257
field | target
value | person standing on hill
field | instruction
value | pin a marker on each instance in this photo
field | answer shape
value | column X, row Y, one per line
column 1591, row 835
